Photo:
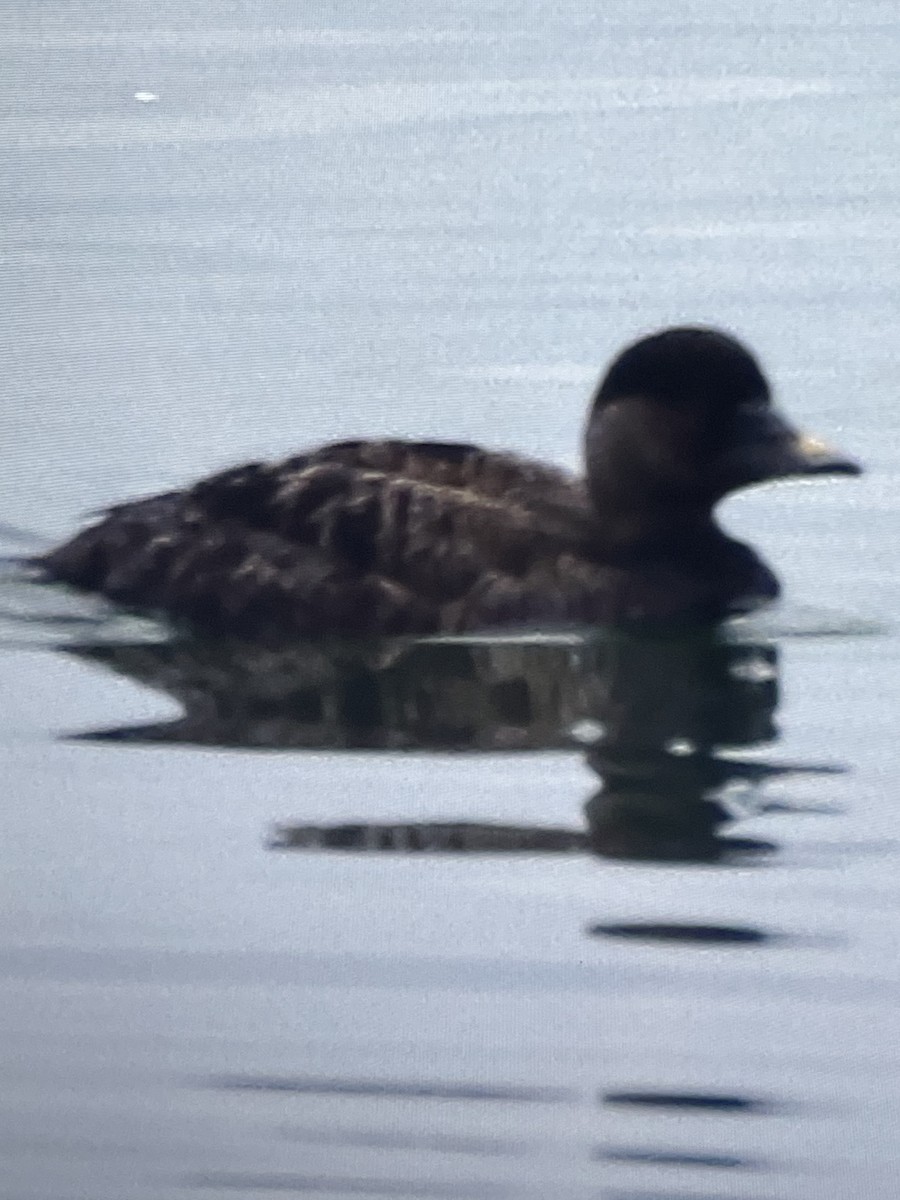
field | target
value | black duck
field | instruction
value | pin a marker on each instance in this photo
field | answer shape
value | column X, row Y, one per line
column 360, row 538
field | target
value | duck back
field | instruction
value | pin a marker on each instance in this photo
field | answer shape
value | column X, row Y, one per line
column 352, row 538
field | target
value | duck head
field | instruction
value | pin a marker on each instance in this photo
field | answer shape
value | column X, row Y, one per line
column 681, row 419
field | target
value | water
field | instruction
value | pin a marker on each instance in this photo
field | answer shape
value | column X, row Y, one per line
column 669, row 1009
column 440, row 225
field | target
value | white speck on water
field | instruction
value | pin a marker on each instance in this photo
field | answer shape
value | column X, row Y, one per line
column 681, row 747
column 586, row 731
column 755, row 670
column 146, row 97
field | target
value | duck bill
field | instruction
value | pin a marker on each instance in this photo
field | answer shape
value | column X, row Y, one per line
column 766, row 447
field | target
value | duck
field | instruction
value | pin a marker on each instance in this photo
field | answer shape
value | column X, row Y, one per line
column 365, row 538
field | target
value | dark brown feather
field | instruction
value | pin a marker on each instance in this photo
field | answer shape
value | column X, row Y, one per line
column 352, row 538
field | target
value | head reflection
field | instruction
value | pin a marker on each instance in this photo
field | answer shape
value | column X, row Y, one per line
column 669, row 704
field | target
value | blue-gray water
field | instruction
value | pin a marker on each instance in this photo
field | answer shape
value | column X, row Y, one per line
column 378, row 219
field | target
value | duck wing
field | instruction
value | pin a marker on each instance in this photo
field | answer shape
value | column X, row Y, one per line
column 514, row 479
column 353, row 538
column 434, row 535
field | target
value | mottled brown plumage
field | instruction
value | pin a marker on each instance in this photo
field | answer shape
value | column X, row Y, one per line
column 381, row 537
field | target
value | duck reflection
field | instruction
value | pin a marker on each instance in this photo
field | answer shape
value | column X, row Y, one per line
column 651, row 712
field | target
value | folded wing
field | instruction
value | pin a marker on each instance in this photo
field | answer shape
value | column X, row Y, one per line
column 351, row 538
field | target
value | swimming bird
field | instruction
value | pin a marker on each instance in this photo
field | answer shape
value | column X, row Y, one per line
column 360, row 538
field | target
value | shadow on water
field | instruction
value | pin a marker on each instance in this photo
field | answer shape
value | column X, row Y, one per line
column 651, row 714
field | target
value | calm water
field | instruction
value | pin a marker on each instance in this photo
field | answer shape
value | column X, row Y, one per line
column 440, row 225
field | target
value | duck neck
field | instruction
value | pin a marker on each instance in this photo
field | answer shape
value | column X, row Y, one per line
column 648, row 503
column 630, row 523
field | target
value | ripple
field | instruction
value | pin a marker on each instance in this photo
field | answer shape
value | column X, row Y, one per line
column 311, row 112
column 677, row 1158
column 737, row 935
column 335, row 1185
column 387, row 1139
column 696, row 1101
column 805, row 621
column 418, row 1089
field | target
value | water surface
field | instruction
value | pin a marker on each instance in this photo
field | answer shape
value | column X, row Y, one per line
column 441, row 225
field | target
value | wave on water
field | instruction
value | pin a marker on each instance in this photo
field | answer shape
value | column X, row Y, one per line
column 40, row 614
column 805, row 621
